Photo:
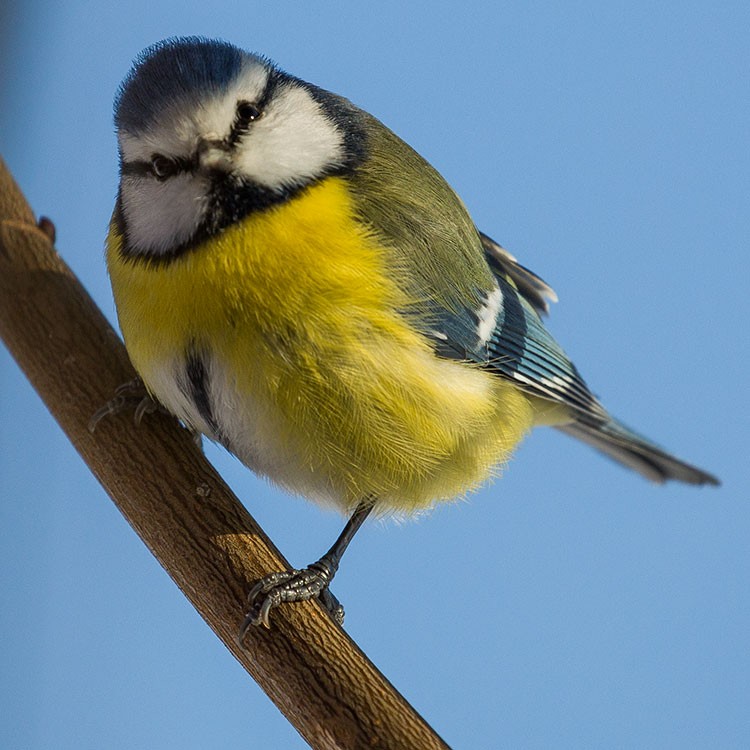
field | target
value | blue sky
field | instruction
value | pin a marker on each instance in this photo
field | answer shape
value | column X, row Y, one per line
column 570, row 604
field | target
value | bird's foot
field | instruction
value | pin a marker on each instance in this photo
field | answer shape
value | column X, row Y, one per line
column 134, row 395
column 292, row 586
column 130, row 395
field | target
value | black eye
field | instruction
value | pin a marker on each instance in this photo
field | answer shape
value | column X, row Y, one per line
column 162, row 167
column 247, row 112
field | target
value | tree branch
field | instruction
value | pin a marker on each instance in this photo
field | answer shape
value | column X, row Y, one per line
column 180, row 507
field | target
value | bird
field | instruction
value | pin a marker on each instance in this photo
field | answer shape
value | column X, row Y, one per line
column 296, row 283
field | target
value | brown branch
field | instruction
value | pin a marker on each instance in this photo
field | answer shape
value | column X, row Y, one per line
column 176, row 502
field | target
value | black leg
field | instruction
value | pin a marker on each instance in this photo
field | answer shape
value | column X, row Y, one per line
column 301, row 585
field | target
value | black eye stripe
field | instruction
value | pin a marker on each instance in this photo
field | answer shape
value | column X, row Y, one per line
column 141, row 168
column 135, row 168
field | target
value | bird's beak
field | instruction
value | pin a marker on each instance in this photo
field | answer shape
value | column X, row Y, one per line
column 214, row 154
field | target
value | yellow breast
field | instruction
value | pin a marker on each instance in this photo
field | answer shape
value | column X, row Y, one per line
column 314, row 377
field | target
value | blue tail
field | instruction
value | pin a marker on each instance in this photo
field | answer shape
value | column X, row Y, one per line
column 626, row 446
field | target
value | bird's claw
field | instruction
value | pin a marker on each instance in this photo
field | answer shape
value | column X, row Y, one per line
column 127, row 395
column 133, row 394
column 291, row 586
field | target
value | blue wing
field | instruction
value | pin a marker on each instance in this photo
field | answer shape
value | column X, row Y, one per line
column 503, row 331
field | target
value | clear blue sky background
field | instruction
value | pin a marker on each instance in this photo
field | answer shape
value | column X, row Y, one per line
column 569, row 605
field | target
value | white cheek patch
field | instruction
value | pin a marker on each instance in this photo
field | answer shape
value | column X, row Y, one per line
column 293, row 142
column 161, row 215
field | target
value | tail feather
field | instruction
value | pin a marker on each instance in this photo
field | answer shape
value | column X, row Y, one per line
column 622, row 444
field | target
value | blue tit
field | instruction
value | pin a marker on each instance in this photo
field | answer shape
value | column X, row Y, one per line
column 296, row 283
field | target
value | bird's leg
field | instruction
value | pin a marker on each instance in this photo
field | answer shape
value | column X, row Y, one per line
column 301, row 585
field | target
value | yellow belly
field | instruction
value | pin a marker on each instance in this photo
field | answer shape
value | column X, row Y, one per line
column 314, row 379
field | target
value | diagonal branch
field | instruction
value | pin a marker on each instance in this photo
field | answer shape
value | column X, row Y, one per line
column 179, row 506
